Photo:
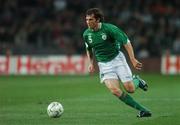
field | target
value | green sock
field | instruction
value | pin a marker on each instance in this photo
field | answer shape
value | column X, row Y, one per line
column 136, row 82
column 131, row 102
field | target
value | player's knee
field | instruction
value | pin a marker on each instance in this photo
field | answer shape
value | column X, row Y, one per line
column 130, row 90
column 129, row 87
column 115, row 91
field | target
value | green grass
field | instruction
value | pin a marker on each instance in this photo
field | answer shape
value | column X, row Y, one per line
column 24, row 99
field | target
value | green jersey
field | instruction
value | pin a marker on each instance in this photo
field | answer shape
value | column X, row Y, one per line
column 105, row 42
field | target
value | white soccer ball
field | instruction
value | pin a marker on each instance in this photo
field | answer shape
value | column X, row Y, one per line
column 55, row 110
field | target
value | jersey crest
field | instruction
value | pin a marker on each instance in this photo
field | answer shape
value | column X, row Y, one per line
column 104, row 36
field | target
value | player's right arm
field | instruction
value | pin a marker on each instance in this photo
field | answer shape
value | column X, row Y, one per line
column 91, row 67
column 89, row 52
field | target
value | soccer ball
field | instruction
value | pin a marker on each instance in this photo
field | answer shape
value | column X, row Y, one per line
column 55, row 110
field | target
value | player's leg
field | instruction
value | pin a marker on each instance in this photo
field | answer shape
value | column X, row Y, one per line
column 131, row 83
column 125, row 75
column 129, row 86
column 113, row 86
column 109, row 76
column 140, row 82
column 136, row 82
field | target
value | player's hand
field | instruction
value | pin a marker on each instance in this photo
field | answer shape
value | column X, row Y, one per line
column 91, row 68
column 137, row 65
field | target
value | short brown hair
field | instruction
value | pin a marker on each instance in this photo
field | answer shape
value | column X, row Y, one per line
column 97, row 13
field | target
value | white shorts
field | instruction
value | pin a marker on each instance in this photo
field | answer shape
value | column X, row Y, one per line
column 115, row 69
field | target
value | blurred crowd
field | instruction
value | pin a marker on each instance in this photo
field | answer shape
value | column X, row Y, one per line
column 56, row 26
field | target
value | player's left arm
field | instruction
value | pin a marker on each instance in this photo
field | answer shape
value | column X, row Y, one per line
column 137, row 65
column 122, row 39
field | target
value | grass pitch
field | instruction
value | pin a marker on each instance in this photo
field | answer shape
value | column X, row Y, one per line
column 24, row 99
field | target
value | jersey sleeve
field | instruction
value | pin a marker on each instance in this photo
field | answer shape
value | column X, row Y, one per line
column 118, row 34
column 86, row 43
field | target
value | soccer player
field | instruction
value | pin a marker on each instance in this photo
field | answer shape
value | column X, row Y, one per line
column 104, row 40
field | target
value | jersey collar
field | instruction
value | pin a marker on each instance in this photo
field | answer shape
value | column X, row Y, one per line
column 99, row 27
